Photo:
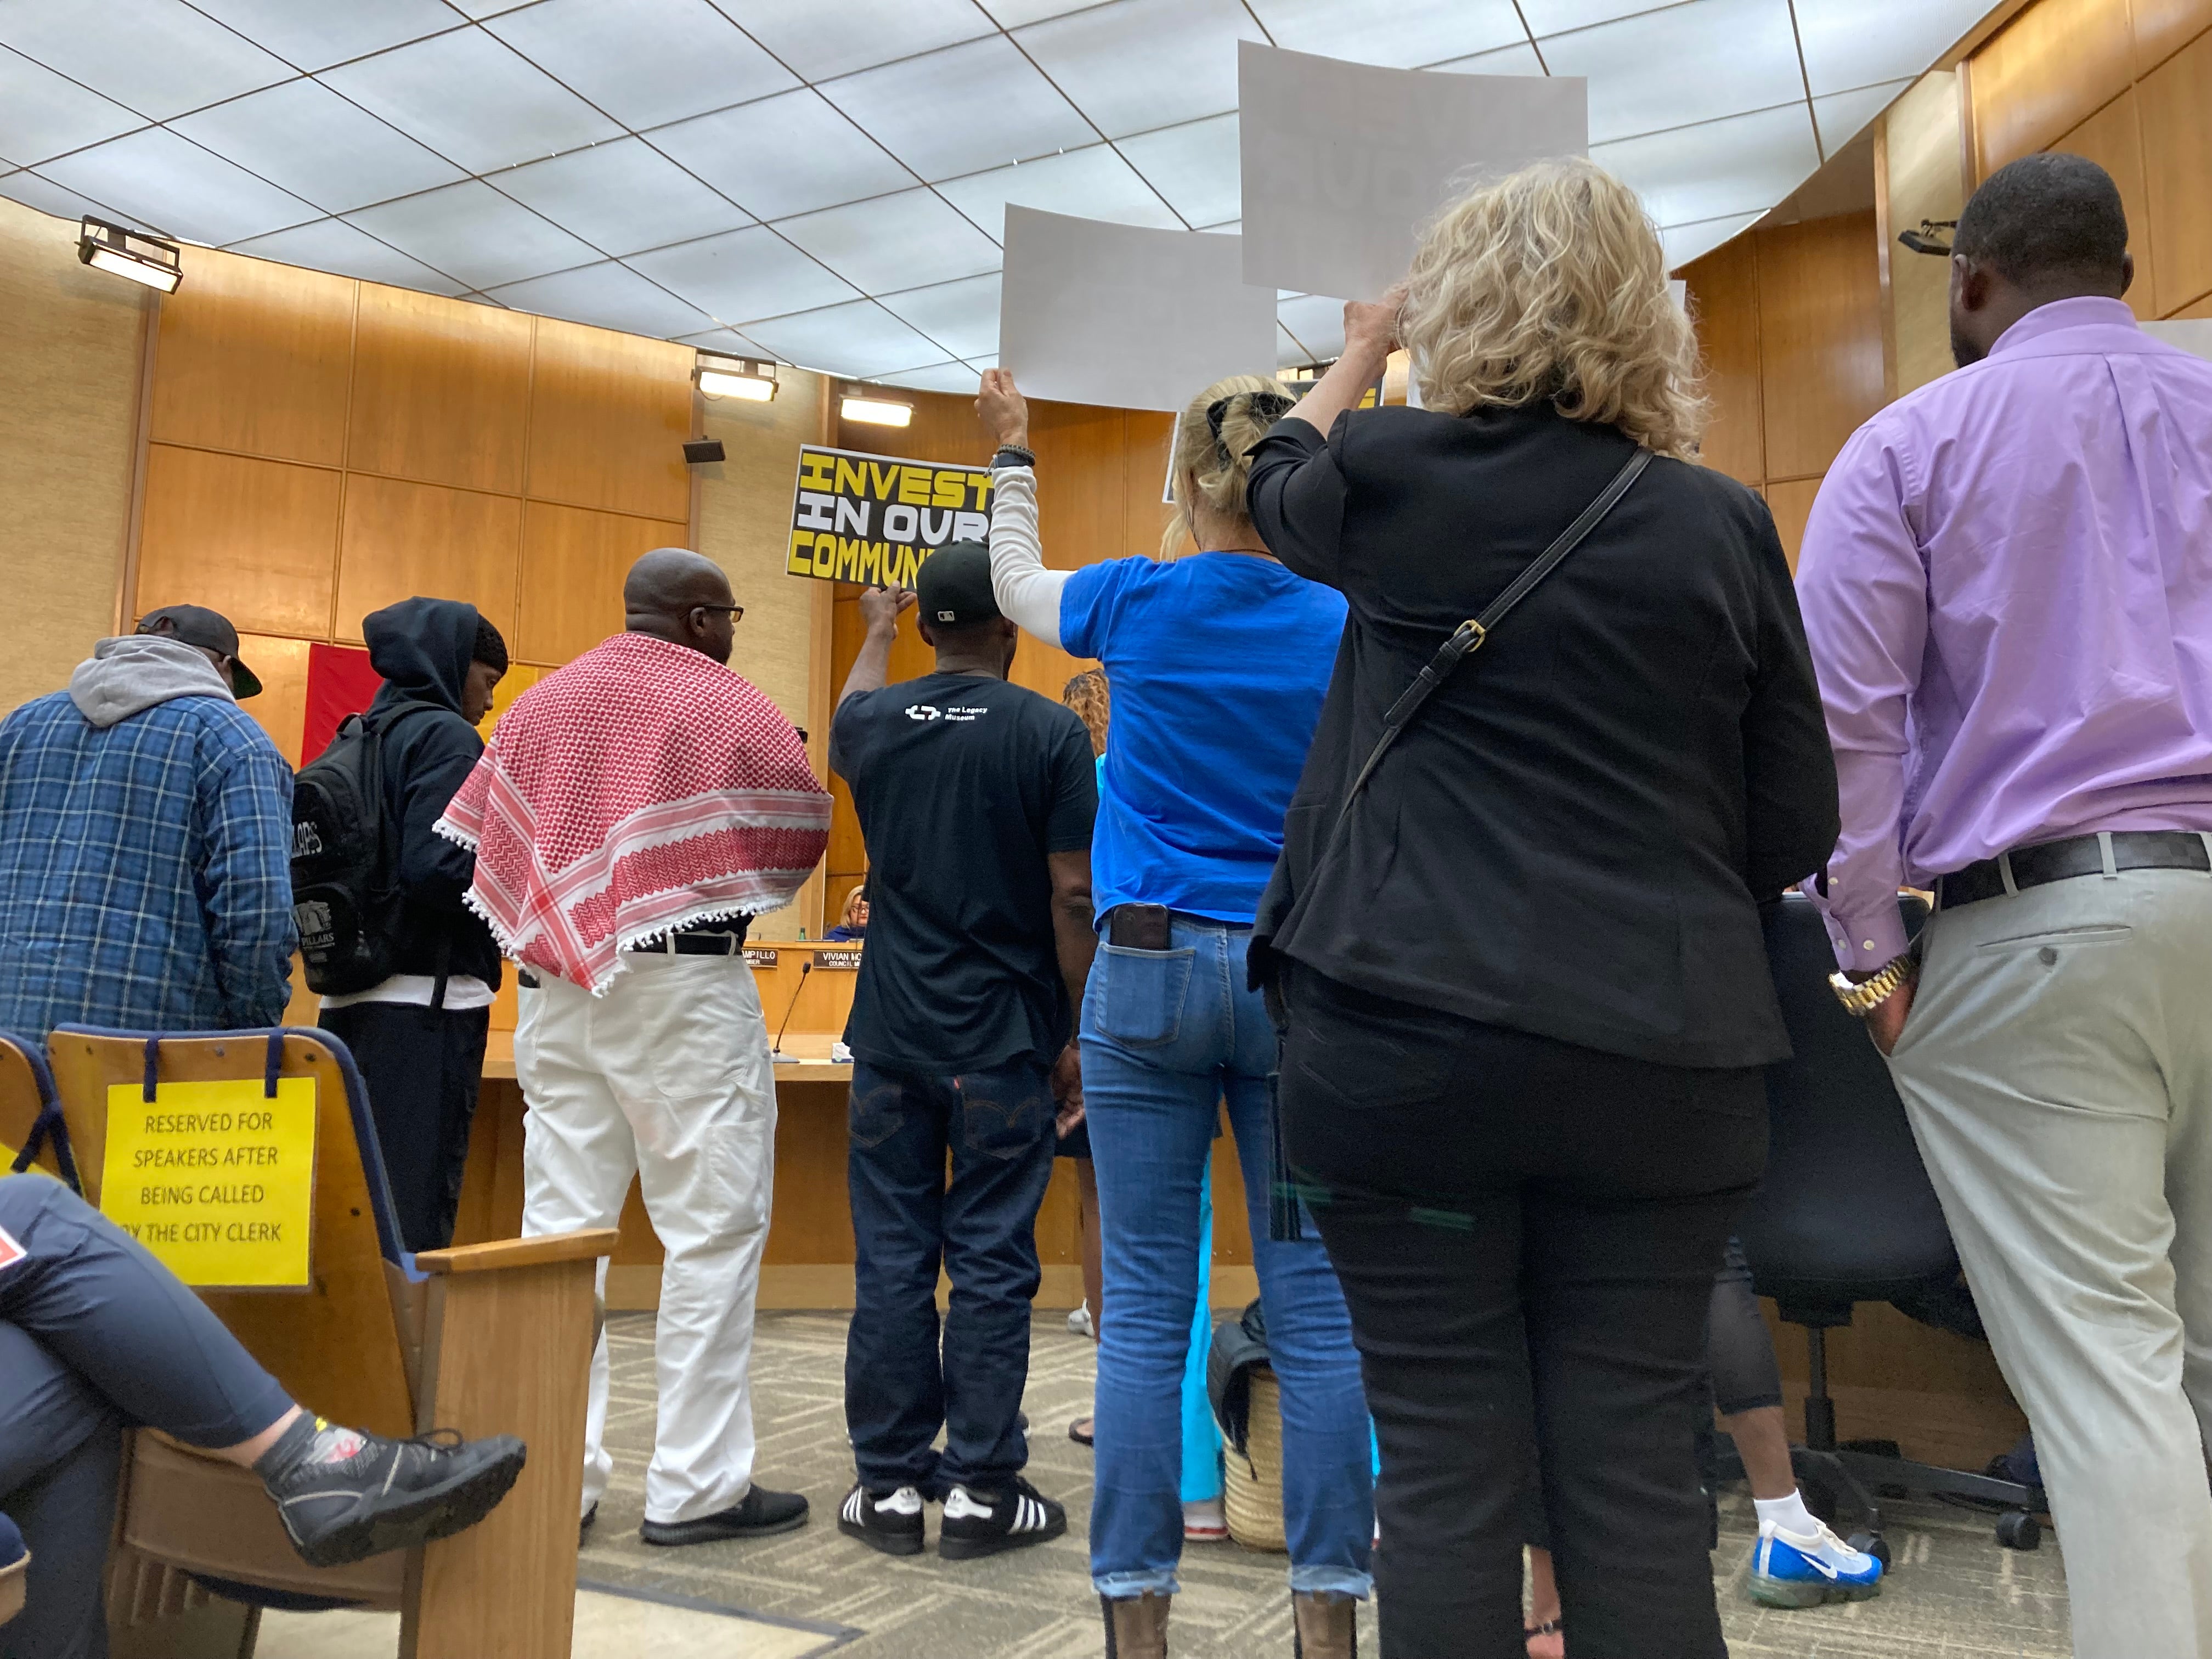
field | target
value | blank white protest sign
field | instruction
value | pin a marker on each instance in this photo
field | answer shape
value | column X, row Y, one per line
column 1126, row 316
column 2191, row 334
column 1343, row 163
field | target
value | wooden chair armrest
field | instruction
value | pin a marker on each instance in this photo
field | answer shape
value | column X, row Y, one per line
column 537, row 1252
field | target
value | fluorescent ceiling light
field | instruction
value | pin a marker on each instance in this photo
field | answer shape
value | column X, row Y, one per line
column 126, row 253
column 736, row 377
column 859, row 405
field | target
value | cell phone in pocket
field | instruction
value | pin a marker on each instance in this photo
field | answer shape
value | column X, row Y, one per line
column 1139, row 927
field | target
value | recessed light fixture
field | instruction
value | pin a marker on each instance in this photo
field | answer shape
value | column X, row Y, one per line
column 736, row 377
column 859, row 403
column 127, row 254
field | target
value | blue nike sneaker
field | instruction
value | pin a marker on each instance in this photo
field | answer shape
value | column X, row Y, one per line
column 1790, row 1570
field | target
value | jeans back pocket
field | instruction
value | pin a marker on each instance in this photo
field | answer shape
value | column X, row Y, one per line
column 1140, row 1003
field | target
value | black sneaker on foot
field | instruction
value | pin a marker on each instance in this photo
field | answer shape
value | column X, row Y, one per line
column 985, row 1521
column 761, row 1514
column 891, row 1522
column 394, row 1494
column 584, row 1527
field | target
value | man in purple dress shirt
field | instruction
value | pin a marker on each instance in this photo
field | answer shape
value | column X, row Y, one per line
column 2006, row 583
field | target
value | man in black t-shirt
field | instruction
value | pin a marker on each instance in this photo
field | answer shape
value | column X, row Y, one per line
column 975, row 799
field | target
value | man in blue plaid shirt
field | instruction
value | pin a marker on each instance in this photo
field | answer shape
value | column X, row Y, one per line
column 145, row 843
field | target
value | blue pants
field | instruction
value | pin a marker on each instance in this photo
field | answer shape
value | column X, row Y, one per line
column 997, row 1127
column 1166, row 1037
column 97, row 1336
column 1202, row 1441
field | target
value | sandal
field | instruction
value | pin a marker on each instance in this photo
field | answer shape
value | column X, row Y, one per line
column 1549, row 1627
column 1080, row 1431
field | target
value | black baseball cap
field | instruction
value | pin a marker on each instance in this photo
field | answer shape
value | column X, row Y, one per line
column 953, row 586
column 210, row 630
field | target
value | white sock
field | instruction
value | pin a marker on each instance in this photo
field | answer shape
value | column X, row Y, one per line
column 1788, row 1513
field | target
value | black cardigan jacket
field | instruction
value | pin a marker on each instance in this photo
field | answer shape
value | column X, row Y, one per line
column 1573, row 836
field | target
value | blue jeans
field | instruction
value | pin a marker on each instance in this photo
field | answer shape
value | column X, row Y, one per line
column 998, row 1128
column 1167, row 1035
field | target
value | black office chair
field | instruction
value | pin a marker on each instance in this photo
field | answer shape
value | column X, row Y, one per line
column 1847, row 1215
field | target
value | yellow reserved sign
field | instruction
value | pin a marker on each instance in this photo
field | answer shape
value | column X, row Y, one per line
column 216, row 1179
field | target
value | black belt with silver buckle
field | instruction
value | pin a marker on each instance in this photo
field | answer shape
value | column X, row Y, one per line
column 2063, row 860
column 719, row 939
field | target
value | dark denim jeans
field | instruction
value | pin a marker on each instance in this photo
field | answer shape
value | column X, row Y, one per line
column 899, row 1390
column 1168, row 1036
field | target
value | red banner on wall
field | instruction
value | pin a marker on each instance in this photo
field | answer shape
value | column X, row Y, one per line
column 340, row 682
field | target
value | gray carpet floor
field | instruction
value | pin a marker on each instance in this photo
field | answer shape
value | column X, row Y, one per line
column 1954, row 1595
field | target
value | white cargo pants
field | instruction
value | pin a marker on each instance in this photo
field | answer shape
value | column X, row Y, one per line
column 666, row 1077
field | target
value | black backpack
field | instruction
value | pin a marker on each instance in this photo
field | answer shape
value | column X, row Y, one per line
column 345, row 859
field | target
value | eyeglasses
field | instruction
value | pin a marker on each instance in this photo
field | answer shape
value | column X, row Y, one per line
column 737, row 611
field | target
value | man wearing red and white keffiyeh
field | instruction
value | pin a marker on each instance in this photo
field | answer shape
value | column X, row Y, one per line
column 633, row 812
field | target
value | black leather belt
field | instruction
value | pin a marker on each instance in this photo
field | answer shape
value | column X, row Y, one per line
column 2064, row 860
column 720, row 939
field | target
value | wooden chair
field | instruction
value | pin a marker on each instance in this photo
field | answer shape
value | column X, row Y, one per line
column 486, row 1339
column 32, row 1134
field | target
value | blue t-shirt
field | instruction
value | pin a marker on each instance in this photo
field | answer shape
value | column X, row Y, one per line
column 1217, row 664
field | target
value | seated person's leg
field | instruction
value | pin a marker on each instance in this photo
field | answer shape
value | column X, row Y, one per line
column 98, row 1301
column 1797, row 1561
column 59, row 1443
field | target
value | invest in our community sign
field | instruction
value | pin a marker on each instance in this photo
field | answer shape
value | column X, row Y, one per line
column 874, row 518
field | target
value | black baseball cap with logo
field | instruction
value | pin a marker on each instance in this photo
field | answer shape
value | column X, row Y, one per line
column 953, row 586
column 210, row 630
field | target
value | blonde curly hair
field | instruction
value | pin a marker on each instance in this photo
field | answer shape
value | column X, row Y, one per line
column 1550, row 285
column 1206, row 463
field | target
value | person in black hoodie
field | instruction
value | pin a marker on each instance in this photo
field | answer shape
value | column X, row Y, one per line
column 419, row 1035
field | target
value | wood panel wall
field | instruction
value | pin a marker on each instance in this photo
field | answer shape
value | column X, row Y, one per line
column 1790, row 318
column 71, row 340
column 321, row 447
column 2127, row 83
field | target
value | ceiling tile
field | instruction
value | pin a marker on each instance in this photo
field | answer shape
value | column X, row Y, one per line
column 1553, row 16
column 1136, row 65
column 165, row 182
column 332, row 245
column 608, row 296
column 1506, row 60
column 43, row 113
column 1855, row 43
column 894, row 241
column 955, row 378
column 472, row 100
column 961, row 317
column 1692, row 62
column 305, row 138
column 1290, row 351
column 1318, row 322
column 644, row 62
column 1842, row 116
column 781, row 155
column 1684, row 243
column 158, row 57
column 821, row 41
column 472, row 232
column 1194, row 165
column 48, row 197
column 1745, row 164
column 744, row 273
column 1090, row 184
column 859, row 339
column 1395, row 34
column 1012, row 14
column 960, row 110
column 313, row 36
column 620, row 196
column 727, row 341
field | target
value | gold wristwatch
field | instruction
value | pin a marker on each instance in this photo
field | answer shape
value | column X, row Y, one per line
column 1861, row 996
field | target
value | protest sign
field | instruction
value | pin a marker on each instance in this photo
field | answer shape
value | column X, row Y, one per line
column 873, row 518
column 216, row 1179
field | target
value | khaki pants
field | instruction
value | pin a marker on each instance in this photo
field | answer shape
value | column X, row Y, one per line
column 666, row 1077
column 2057, row 1072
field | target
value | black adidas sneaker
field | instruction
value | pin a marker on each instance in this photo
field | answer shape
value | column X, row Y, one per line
column 983, row 1521
column 391, row 1494
column 891, row 1522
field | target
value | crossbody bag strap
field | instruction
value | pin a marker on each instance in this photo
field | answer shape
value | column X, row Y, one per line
column 1469, row 635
